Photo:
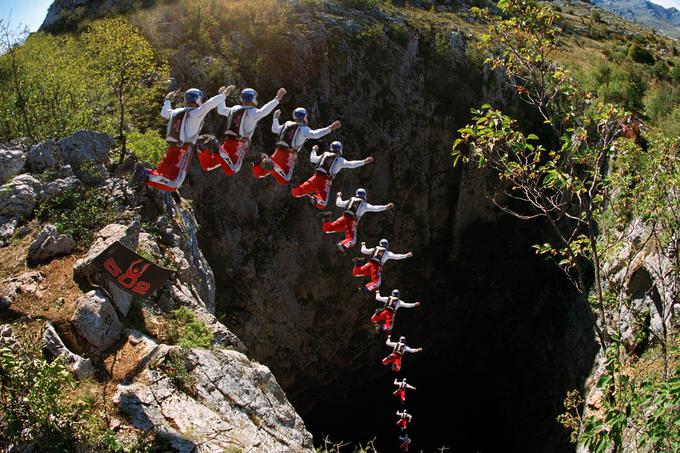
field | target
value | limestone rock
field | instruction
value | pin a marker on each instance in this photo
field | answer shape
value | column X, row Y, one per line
column 11, row 163
column 43, row 156
column 49, row 244
column 85, row 270
column 52, row 343
column 96, row 320
column 58, row 186
column 26, row 283
column 85, row 147
column 18, row 198
column 233, row 402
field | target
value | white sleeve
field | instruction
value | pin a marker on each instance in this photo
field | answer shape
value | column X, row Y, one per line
column 396, row 256
column 410, row 386
column 375, row 208
column 265, row 110
column 381, row 298
column 210, row 104
column 223, row 110
column 391, row 344
column 401, row 304
column 340, row 203
column 276, row 126
column 411, row 350
column 314, row 157
column 318, row 133
column 166, row 111
column 366, row 251
column 344, row 163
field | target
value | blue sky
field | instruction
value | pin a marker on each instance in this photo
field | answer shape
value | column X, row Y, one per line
column 30, row 13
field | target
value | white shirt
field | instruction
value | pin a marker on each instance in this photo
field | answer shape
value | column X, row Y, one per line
column 303, row 133
column 400, row 303
column 386, row 257
column 251, row 117
column 403, row 385
column 364, row 207
column 393, row 344
column 339, row 163
column 404, row 414
column 193, row 121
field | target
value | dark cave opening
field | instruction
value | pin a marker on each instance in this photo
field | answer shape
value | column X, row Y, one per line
column 505, row 336
column 505, row 349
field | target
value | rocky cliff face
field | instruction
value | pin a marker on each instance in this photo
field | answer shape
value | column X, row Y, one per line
column 223, row 400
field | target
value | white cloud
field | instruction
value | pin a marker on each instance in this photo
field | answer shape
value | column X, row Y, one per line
column 668, row 3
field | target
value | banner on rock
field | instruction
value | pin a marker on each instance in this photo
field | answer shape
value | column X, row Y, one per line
column 131, row 272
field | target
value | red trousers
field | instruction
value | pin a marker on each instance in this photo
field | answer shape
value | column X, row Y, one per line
column 402, row 423
column 170, row 173
column 372, row 270
column 401, row 394
column 208, row 160
column 319, row 185
column 394, row 359
column 284, row 160
column 231, row 154
column 404, row 446
column 346, row 224
column 384, row 317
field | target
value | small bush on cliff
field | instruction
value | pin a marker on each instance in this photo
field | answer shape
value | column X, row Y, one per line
column 78, row 212
column 175, row 366
column 187, row 331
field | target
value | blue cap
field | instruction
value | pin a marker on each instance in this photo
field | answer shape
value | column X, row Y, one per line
column 299, row 113
column 248, row 95
column 336, row 147
column 193, row 95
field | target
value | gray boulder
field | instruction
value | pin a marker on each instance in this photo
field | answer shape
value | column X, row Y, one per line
column 26, row 283
column 85, row 270
column 43, row 156
column 53, row 345
column 96, row 320
column 11, row 163
column 18, row 198
column 49, row 244
column 86, row 147
column 58, row 186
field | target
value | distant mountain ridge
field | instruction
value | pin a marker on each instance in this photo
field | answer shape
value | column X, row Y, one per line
column 665, row 20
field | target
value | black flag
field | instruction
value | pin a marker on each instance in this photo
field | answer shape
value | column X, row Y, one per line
column 131, row 272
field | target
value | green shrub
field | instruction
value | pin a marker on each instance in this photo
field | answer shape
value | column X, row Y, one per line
column 639, row 54
column 360, row 4
column 78, row 212
column 175, row 366
column 147, row 146
column 187, row 331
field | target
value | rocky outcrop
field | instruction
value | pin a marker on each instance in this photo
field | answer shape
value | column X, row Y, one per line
column 11, row 163
column 48, row 244
column 27, row 283
column 54, row 347
column 96, row 320
column 224, row 401
column 57, row 187
column 17, row 201
column 83, row 147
